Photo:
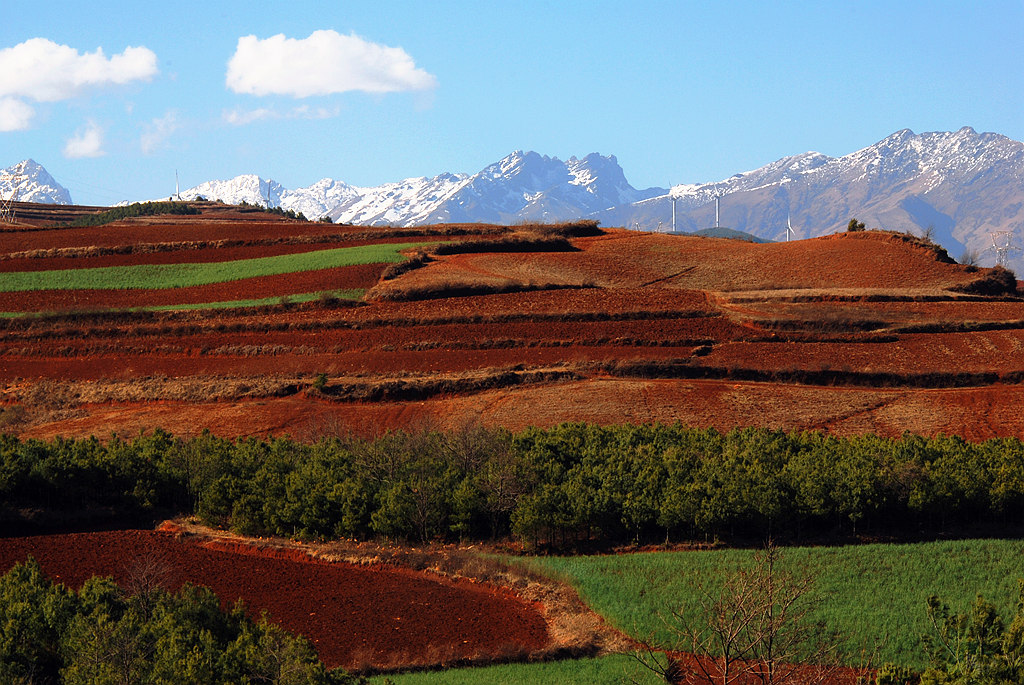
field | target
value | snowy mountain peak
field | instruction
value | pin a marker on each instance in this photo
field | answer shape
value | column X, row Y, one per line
column 248, row 188
column 33, row 183
column 523, row 185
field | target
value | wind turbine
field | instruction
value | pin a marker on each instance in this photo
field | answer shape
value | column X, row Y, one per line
column 718, row 197
column 789, row 228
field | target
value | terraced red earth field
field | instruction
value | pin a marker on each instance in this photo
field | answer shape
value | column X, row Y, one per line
column 355, row 616
column 605, row 326
column 495, row 325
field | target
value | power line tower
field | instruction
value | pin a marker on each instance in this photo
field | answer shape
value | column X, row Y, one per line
column 1002, row 245
column 7, row 204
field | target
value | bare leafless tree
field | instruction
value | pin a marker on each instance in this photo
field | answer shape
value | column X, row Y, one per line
column 149, row 574
column 758, row 625
column 787, row 645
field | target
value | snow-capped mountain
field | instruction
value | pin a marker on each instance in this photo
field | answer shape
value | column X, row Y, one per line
column 406, row 203
column 529, row 186
column 33, row 184
column 522, row 186
column 963, row 185
column 248, row 188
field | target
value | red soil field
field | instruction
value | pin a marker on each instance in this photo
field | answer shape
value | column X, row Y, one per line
column 227, row 226
column 972, row 352
column 133, row 232
column 355, row 616
column 282, row 285
column 973, row 413
column 655, row 333
column 608, row 300
column 179, row 255
column 627, row 259
column 388, row 363
column 649, row 289
column 890, row 313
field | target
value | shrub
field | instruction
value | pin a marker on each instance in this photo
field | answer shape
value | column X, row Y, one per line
column 998, row 281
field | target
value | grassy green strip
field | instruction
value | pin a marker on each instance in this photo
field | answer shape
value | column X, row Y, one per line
column 162, row 276
column 608, row 670
column 873, row 595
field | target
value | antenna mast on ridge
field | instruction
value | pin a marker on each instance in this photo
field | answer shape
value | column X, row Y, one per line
column 7, row 205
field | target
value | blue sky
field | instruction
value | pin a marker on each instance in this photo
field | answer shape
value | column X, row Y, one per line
column 680, row 92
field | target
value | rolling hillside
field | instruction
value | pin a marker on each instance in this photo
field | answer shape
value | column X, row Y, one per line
column 250, row 324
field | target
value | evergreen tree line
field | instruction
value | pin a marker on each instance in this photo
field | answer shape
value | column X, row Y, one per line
column 102, row 635
column 571, row 483
column 133, row 210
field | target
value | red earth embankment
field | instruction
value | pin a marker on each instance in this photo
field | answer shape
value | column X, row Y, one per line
column 356, row 616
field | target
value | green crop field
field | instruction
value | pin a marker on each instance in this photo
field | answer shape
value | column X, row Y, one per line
column 608, row 670
column 161, row 276
column 873, row 595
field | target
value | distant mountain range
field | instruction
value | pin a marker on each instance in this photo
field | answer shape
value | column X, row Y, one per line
column 524, row 186
column 961, row 185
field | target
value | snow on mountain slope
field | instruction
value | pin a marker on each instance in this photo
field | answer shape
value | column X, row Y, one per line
column 961, row 185
column 529, row 186
column 318, row 199
column 406, row 203
column 248, row 188
column 522, row 186
column 34, row 184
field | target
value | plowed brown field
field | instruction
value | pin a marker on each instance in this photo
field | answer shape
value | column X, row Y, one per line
column 623, row 259
column 974, row 413
column 171, row 254
column 355, row 616
column 652, row 328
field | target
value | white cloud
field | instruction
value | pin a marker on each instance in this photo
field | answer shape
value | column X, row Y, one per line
column 15, row 115
column 326, row 62
column 241, row 117
column 156, row 133
column 42, row 70
column 238, row 117
column 87, row 142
